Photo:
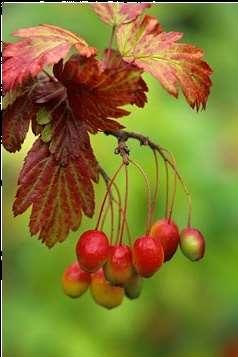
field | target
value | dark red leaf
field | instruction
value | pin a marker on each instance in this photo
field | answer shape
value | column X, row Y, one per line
column 97, row 90
column 58, row 194
column 20, row 110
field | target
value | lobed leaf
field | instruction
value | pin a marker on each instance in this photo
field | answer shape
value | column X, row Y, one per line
column 97, row 90
column 175, row 65
column 117, row 14
column 39, row 46
column 17, row 116
column 59, row 194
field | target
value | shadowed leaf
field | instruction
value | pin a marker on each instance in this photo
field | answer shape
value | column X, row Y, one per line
column 16, row 120
column 59, row 194
column 97, row 90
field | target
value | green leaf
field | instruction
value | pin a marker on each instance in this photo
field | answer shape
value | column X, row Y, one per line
column 43, row 117
column 47, row 133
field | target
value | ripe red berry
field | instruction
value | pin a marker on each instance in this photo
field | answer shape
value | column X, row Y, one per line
column 104, row 293
column 168, row 234
column 92, row 250
column 75, row 281
column 119, row 268
column 192, row 243
column 148, row 256
column 133, row 287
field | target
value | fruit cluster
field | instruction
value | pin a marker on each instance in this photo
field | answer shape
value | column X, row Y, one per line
column 112, row 267
column 112, row 271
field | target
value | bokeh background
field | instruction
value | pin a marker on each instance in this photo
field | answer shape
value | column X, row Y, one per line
column 187, row 309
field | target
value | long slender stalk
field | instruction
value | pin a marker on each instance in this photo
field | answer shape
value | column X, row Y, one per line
column 148, row 194
column 155, row 197
column 143, row 140
column 107, row 193
column 125, row 207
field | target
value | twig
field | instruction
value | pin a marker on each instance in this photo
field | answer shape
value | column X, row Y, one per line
column 122, row 149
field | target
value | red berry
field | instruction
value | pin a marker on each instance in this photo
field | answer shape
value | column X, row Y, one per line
column 92, row 250
column 75, row 281
column 148, row 256
column 104, row 293
column 119, row 268
column 133, row 287
column 168, row 234
column 192, row 243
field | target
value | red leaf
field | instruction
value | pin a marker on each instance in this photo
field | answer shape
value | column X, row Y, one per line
column 58, row 194
column 16, row 119
column 117, row 14
column 175, row 65
column 41, row 46
column 96, row 90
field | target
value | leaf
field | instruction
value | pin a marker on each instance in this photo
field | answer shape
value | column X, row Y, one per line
column 175, row 65
column 46, row 133
column 40, row 46
column 117, row 14
column 97, row 90
column 16, row 120
column 43, row 117
column 10, row 97
column 59, row 194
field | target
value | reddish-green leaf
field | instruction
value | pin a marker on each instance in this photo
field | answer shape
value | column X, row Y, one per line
column 175, row 65
column 58, row 193
column 97, row 90
column 40, row 46
column 117, row 14
column 19, row 112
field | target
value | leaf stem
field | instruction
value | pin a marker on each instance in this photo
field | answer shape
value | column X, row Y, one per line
column 109, row 50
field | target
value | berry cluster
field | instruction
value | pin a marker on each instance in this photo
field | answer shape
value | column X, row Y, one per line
column 112, row 268
column 112, row 271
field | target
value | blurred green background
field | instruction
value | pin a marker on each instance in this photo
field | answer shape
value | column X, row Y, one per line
column 187, row 309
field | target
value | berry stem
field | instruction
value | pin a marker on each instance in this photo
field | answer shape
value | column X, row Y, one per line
column 106, row 194
column 107, row 179
column 148, row 194
column 119, row 210
column 143, row 140
column 186, row 191
column 109, row 206
column 167, row 188
column 170, row 211
column 125, row 207
column 189, row 211
column 153, row 205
